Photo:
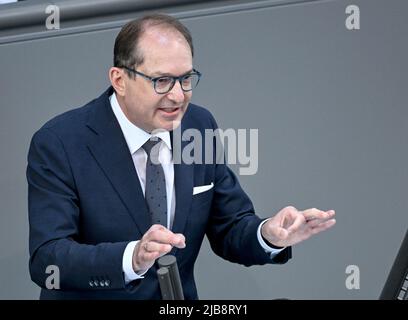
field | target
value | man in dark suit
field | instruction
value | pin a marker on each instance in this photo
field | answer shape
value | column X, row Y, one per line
column 107, row 197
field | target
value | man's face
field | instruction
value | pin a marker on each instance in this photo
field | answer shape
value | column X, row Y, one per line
column 165, row 53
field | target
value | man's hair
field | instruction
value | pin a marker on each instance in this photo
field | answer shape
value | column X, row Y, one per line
column 127, row 53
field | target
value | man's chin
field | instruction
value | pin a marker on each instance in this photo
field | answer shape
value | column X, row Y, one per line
column 170, row 125
column 174, row 125
column 167, row 126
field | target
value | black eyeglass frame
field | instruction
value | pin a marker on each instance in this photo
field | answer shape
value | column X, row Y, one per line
column 174, row 79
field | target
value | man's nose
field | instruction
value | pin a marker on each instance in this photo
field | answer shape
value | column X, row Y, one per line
column 176, row 93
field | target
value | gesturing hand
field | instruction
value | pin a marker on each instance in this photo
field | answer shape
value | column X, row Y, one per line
column 156, row 242
column 290, row 226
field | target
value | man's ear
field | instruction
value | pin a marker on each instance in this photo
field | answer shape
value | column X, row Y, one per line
column 117, row 79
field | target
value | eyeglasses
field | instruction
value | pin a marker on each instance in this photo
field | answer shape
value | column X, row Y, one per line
column 164, row 84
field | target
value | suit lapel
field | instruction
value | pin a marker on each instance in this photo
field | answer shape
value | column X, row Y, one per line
column 109, row 148
column 183, row 183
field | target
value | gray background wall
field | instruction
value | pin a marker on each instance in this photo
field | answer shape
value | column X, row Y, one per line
column 329, row 103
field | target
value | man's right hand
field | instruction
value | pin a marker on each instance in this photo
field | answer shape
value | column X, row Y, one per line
column 156, row 242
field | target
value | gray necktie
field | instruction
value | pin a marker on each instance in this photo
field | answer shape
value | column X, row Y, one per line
column 155, row 192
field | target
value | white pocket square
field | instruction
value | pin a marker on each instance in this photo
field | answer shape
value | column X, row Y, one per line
column 200, row 189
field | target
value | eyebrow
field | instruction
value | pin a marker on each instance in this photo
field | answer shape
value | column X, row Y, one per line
column 166, row 74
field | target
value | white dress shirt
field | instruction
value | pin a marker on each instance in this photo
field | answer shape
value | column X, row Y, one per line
column 135, row 139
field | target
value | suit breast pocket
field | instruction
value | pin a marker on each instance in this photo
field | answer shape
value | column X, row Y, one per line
column 200, row 213
column 203, row 198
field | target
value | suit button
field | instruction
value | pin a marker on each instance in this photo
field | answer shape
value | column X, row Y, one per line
column 102, row 283
column 91, row 284
column 107, row 283
column 96, row 283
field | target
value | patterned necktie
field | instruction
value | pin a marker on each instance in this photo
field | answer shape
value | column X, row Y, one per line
column 155, row 191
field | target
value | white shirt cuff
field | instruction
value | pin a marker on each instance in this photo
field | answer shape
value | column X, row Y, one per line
column 272, row 251
column 127, row 264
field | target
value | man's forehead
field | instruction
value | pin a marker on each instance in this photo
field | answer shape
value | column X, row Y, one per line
column 165, row 52
column 162, row 36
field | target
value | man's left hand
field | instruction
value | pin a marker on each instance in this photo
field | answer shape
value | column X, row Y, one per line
column 290, row 226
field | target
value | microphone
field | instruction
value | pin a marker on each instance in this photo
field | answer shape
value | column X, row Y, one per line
column 169, row 278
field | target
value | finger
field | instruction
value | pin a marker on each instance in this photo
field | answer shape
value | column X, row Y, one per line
column 314, row 213
column 152, row 246
column 288, row 212
column 182, row 241
column 297, row 223
column 316, row 222
column 287, row 216
column 156, row 227
column 324, row 226
column 331, row 213
column 165, row 236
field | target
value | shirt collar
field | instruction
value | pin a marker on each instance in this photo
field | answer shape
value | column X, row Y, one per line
column 134, row 136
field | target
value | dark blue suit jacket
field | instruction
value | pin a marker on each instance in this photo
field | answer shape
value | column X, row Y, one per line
column 86, row 204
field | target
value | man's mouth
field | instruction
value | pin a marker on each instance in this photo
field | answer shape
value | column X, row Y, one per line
column 170, row 111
